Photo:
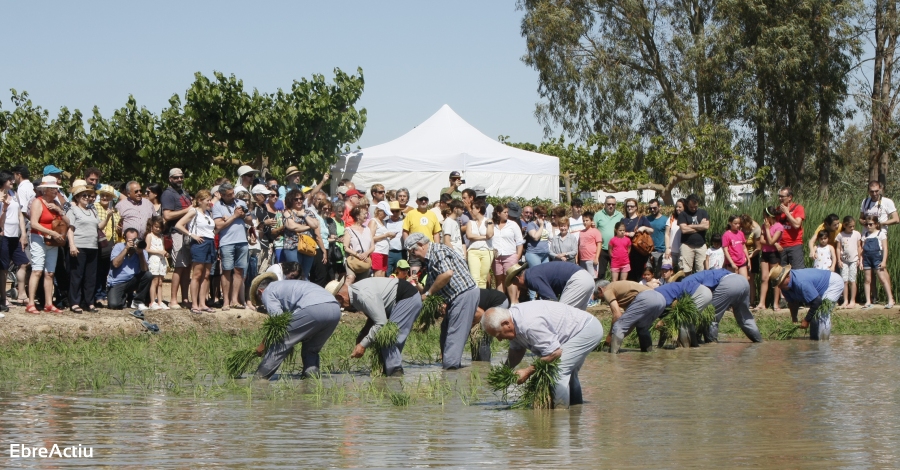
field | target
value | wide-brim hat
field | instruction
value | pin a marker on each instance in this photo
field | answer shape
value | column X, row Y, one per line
column 676, row 277
column 334, row 286
column 107, row 189
column 49, row 182
column 777, row 274
column 76, row 190
column 246, row 169
column 254, row 286
column 291, row 171
column 513, row 272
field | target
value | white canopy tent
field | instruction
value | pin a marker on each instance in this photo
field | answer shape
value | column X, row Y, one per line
column 422, row 159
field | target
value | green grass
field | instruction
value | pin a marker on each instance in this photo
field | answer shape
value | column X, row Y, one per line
column 431, row 311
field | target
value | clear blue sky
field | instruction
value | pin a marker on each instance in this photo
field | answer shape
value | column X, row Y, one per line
column 416, row 56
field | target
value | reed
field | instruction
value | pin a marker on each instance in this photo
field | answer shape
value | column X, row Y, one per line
column 431, row 311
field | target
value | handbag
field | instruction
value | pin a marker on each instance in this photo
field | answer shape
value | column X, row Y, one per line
column 643, row 243
column 306, row 245
column 355, row 264
column 59, row 226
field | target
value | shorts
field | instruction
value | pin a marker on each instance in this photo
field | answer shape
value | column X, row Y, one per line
column 181, row 251
column 42, row 256
column 501, row 264
column 379, row 261
column 849, row 270
column 623, row 269
column 793, row 256
column 236, row 256
column 754, row 264
column 771, row 257
column 203, row 253
column 11, row 253
column 872, row 259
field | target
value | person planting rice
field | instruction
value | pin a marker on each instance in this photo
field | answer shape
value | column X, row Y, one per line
column 489, row 298
column 817, row 288
column 448, row 276
column 650, row 305
column 728, row 290
column 569, row 283
column 380, row 299
column 314, row 315
column 618, row 295
column 551, row 330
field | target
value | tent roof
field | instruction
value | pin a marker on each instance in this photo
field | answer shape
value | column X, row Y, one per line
column 446, row 142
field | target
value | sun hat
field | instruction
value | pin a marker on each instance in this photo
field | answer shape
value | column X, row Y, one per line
column 80, row 186
column 421, row 194
column 245, row 169
column 513, row 209
column 49, row 182
column 254, row 286
column 107, row 189
column 291, row 171
column 395, row 205
column 342, row 189
column 260, row 189
column 479, row 191
column 383, row 205
column 777, row 274
column 334, row 286
column 513, row 272
column 51, row 170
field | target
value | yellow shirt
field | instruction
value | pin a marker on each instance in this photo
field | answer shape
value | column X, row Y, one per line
column 832, row 236
column 426, row 224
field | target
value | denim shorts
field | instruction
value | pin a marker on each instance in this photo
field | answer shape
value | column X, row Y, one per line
column 235, row 256
column 203, row 253
column 872, row 259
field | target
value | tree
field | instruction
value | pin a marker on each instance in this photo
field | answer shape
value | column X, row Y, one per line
column 884, row 92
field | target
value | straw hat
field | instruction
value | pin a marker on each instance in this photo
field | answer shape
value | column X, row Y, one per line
column 80, row 186
column 107, row 189
column 254, row 286
column 513, row 272
column 49, row 182
column 394, row 206
column 334, row 286
column 777, row 274
column 291, row 171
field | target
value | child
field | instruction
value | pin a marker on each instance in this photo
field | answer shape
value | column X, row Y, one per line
column 564, row 246
column 735, row 243
column 665, row 272
column 157, row 263
column 648, row 280
column 619, row 249
column 874, row 251
column 850, row 243
column 715, row 257
column 450, row 227
column 826, row 258
column 771, row 253
column 589, row 243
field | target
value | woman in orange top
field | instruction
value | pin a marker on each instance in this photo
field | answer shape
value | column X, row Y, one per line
column 44, row 210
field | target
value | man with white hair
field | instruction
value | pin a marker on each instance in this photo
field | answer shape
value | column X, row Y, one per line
column 448, row 276
column 552, row 331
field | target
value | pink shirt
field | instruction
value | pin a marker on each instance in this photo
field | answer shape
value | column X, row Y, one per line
column 773, row 229
column 618, row 251
column 734, row 243
column 587, row 244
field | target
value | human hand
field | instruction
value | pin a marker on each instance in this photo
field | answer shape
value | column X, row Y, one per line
column 197, row 239
column 73, row 251
column 524, row 374
column 358, row 351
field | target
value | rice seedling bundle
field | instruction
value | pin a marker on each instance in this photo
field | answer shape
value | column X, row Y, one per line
column 706, row 318
column 784, row 330
column 239, row 362
column 537, row 392
column 274, row 329
column 384, row 338
column 476, row 337
column 500, row 378
column 827, row 306
column 431, row 311
column 682, row 313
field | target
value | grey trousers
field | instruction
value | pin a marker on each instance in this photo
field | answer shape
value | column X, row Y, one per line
column 820, row 328
column 483, row 350
column 404, row 314
column 578, row 291
column 702, row 297
column 641, row 314
column 734, row 291
column 456, row 327
column 311, row 326
column 574, row 351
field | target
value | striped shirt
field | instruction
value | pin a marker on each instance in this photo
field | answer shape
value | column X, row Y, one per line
column 442, row 258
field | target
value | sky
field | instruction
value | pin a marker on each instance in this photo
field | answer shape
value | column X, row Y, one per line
column 415, row 56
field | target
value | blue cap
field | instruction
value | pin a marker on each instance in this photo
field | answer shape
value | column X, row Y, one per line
column 51, row 170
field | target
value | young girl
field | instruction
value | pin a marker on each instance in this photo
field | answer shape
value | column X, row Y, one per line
column 619, row 249
column 715, row 257
column 157, row 262
column 826, row 258
column 735, row 243
column 875, row 252
column 647, row 279
column 850, row 243
column 771, row 253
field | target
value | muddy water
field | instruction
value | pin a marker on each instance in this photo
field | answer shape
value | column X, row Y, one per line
column 794, row 404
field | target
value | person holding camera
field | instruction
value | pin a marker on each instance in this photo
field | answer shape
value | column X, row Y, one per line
column 129, row 275
column 455, row 182
column 230, row 215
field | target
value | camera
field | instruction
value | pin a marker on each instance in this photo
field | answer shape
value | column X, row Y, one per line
column 140, row 244
column 462, row 181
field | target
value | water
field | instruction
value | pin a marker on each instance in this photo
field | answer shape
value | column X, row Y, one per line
column 791, row 404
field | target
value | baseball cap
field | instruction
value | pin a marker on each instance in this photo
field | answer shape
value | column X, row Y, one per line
column 51, row 170
column 352, row 192
column 260, row 189
column 244, row 169
column 402, row 264
column 666, row 266
column 383, row 205
column 513, row 209
column 421, row 194
column 175, row 172
column 479, row 191
column 455, row 174
column 342, row 189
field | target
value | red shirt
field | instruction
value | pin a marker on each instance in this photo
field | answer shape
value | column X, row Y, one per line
column 792, row 236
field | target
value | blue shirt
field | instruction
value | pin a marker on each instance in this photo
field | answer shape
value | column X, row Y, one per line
column 659, row 232
column 549, row 279
column 806, row 285
column 709, row 278
column 234, row 233
column 673, row 290
column 130, row 266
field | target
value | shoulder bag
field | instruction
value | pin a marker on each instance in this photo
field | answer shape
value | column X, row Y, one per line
column 643, row 243
column 59, row 226
column 357, row 265
column 306, row 245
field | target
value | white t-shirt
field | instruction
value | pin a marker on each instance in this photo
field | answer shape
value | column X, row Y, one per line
column 881, row 209
column 395, row 243
column 25, row 193
column 849, row 246
column 276, row 268
column 11, row 224
column 507, row 239
column 880, row 236
column 451, row 227
column 716, row 258
column 674, row 236
column 481, row 229
column 437, row 213
column 576, row 225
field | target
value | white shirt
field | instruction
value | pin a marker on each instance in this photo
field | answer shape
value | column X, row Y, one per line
column 11, row 223
column 576, row 225
column 203, row 225
column 25, row 193
column 674, row 235
column 395, row 243
column 506, row 239
column 881, row 209
column 451, row 227
column 276, row 268
column 481, row 229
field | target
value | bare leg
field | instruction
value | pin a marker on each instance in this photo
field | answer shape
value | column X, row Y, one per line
column 196, row 280
column 48, row 288
column 22, row 277
column 885, row 279
column 226, row 288
column 33, row 285
column 868, row 285
column 204, row 286
column 852, row 295
column 764, row 284
column 237, row 286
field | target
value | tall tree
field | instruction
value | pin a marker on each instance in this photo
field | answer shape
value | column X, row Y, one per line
column 884, row 93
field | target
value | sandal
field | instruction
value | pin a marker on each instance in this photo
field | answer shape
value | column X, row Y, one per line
column 77, row 309
column 867, row 306
column 93, row 309
column 226, row 308
column 50, row 308
column 32, row 310
column 240, row 306
column 207, row 309
column 889, row 306
column 197, row 311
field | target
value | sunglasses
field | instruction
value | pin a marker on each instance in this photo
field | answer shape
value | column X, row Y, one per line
column 375, row 191
column 611, row 205
column 630, row 207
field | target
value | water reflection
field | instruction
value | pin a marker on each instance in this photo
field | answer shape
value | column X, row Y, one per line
column 795, row 404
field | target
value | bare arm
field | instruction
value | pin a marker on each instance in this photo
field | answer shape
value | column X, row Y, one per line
column 893, row 218
column 181, row 226
column 440, row 281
